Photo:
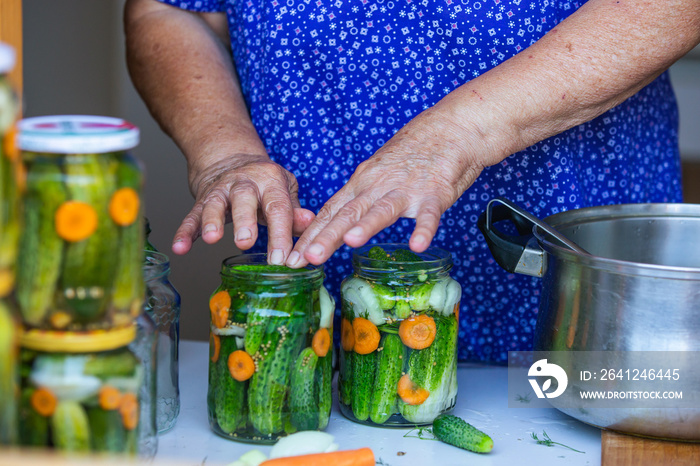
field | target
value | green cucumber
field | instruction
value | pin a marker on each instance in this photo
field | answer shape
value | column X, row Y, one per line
column 129, row 285
column 303, row 404
column 456, row 431
column 389, row 368
column 33, row 427
column 324, row 381
column 40, row 249
column 108, row 433
column 109, row 365
column 8, row 376
column 363, row 368
column 89, row 265
column 432, row 369
column 345, row 377
column 229, row 393
column 70, row 428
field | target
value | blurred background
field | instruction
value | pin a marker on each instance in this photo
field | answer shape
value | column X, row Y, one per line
column 74, row 64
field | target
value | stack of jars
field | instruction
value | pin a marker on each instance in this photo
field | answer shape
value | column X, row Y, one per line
column 79, row 288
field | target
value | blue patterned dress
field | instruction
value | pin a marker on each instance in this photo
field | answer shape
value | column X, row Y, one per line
column 329, row 81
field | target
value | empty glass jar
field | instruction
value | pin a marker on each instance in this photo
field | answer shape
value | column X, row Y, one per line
column 399, row 328
column 82, row 247
column 163, row 305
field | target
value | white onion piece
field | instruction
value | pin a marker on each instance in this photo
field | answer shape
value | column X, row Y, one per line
column 327, row 308
column 437, row 296
column 454, row 295
column 229, row 330
column 305, row 442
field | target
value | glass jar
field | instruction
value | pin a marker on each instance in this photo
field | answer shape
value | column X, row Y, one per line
column 399, row 328
column 80, row 392
column 163, row 305
column 9, row 236
column 82, row 249
column 144, row 347
column 270, row 366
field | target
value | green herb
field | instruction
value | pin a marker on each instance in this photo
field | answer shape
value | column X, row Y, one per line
column 420, row 434
column 523, row 399
column 548, row 442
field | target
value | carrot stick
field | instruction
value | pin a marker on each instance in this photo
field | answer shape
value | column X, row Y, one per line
column 214, row 346
column 360, row 457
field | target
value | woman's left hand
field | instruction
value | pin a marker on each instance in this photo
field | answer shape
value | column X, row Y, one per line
column 419, row 173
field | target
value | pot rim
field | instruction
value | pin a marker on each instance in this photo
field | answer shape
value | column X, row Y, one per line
column 619, row 211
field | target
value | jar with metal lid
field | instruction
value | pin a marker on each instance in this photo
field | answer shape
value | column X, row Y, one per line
column 9, row 235
column 270, row 366
column 81, row 253
column 399, row 329
column 81, row 392
column 163, row 306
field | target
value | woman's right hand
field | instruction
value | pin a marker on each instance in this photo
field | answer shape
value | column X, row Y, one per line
column 246, row 189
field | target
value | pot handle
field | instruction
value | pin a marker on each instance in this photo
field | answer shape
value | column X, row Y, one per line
column 518, row 254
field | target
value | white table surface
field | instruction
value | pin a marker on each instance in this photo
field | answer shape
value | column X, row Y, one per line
column 482, row 401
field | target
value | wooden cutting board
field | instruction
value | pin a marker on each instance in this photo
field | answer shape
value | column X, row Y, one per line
column 626, row 450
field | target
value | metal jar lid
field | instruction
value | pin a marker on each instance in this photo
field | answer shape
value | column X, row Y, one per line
column 51, row 341
column 76, row 134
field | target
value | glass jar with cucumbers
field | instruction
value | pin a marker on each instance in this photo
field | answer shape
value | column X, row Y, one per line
column 81, row 253
column 80, row 392
column 270, row 365
column 399, row 329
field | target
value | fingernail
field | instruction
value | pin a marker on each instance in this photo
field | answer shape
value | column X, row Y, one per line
column 243, row 234
column 179, row 240
column 208, row 228
column 293, row 259
column 316, row 250
column 277, row 257
column 356, row 231
column 420, row 239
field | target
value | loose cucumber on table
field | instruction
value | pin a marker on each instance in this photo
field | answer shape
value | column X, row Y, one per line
column 90, row 264
column 40, row 247
column 456, row 431
column 389, row 368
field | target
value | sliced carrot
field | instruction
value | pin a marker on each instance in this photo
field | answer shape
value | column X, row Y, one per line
column 241, row 365
column 43, row 401
column 219, row 305
column 359, row 457
column 366, row 335
column 456, row 311
column 410, row 393
column 214, row 346
column 321, row 342
column 417, row 332
column 9, row 144
column 109, row 397
column 60, row 319
column 124, row 206
column 75, row 221
column 129, row 410
column 347, row 336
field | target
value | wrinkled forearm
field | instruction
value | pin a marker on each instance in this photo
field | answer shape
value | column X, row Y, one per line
column 598, row 57
column 188, row 82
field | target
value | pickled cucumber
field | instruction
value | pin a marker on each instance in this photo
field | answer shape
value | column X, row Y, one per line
column 70, row 428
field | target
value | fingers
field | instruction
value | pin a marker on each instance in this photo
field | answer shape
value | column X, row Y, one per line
column 383, row 213
column 277, row 208
column 214, row 216
column 244, row 215
column 427, row 222
column 302, row 220
column 188, row 231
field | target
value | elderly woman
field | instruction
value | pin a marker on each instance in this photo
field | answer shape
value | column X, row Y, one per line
column 344, row 121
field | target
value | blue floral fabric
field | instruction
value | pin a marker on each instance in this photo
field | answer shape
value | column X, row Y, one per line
column 329, row 81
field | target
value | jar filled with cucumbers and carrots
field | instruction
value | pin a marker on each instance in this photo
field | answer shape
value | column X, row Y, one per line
column 10, row 229
column 399, row 329
column 270, row 365
column 81, row 254
column 80, row 392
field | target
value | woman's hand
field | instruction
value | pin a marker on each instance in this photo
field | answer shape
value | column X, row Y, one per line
column 419, row 173
column 245, row 189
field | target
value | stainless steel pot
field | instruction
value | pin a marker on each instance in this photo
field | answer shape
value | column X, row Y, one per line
column 634, row 286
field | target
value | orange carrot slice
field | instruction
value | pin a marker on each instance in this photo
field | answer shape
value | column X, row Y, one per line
column 214, row 346
column 321, row 342
column 124, row 206
column 9, row 144
column 43, row 401
column 347, row 336
column 219, row 305
column 129, row 410
column 75, row 221
column 241, row 365
column 456, row 311
column 60, row 319
column 110, row 398
column 366, row 335
column 417, row 332
column 410, row 393
column 360, row 457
